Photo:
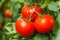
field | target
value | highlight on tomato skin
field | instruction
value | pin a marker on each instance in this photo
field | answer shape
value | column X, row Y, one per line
column 44, row 24
column 28, row 10
column 24, row 27
column 7, row 13
column 36, row 11
column 24, row 11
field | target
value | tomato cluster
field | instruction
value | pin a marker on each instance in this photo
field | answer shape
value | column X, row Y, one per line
column 33, row 10
column 42, row 24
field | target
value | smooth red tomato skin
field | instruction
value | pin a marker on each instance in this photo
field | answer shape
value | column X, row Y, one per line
column 44, row 24
column 24, row 27
column 27, row 11
column 7, row 13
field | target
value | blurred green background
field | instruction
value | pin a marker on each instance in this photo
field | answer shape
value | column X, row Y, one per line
column 7, row 25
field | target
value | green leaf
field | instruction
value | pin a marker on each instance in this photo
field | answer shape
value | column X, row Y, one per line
column 10, row 28
column 1, row 35
column 55, row 29
column 11, row 10
column 39, row 36
column 35, row 1
column 43, row 6
column 53, row 6
column 58, row 35
column 13, row 1
column 58, row 31
column 18, row 5
column 16, row 10
column 58, row 18
column 58, row 3
column 1, row 18
column 46, row 2
column 21, row 1
column 27, row 2
column 1, row 2
column 7, row 20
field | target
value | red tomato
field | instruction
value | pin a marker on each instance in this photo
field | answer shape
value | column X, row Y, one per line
column 0, row 25
column 7, row 13
column 27, row 11
column 0, row 8
column 44, row 24
column 38, row 9
column 24, row 27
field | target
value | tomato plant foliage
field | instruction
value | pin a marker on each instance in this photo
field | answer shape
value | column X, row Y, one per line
column 31, row 12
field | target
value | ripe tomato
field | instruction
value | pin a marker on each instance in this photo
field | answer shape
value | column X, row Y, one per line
column 24, row 27
column 44, row 24
column 38, row 9
column 7, row 13
column 27, row 11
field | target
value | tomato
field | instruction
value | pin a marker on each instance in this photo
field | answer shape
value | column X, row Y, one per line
column 24, row 27
column 0, row 8
column 25, row 12
column 7, row 13
column 38, row 9
column 44, row 24
column 0, row 25
column 28, row 10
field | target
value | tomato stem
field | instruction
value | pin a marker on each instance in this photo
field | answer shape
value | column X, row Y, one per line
column 32, row 13
column 31, row 16
column 37, row 13
column 34, row 10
